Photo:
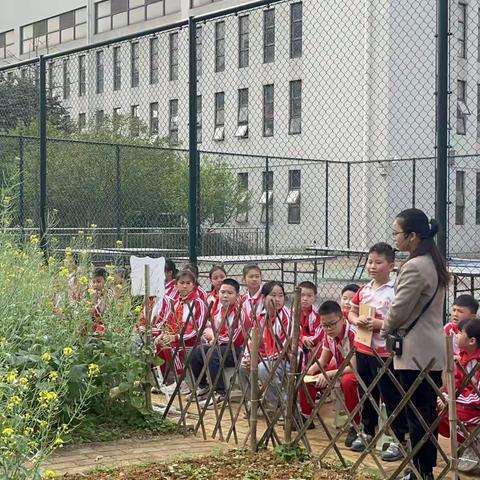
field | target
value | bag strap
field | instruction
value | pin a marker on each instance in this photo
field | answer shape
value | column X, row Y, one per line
column 424, row 309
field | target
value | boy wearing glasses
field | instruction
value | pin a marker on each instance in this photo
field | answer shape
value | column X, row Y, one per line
column 337, row 343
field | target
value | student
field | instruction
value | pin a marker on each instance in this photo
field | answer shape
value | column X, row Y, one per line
column 170, row 282
column 217, row 275
column 225, row 334
column 337, row 342
column 252, row 278
column 468, row 400
column 348, row 292
column 311, row 332
column 179, row 329
column 274, row 323
column 378, row 293
column 198, row 289
column 464, row 307
column 98, row 285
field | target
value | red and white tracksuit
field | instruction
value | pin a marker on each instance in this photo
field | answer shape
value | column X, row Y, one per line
column 253, row 303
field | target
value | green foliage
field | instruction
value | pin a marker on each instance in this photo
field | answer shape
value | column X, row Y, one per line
column 289, row 453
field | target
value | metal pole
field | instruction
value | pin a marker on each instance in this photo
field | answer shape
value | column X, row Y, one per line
column 442, row 124
column 21, row 179
column 267, row 208
column 42, row 125
column 349, row 210
column 118, row 193
column 326, row 204
column 414, row 182
column 192, row 140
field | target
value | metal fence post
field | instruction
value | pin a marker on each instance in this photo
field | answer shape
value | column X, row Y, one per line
column 349, row 196
column 21, row 188
column 442, row 124
column 267, row 208
column 414, row 182
column 118, row 193
column 42, row 126
column 192, row 141
column 326, row 203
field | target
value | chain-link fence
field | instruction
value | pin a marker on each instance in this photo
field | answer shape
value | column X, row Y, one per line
column 315, row 124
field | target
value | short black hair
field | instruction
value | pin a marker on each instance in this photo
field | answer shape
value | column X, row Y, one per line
column 309, row 285
column 233, row 283
column 384, row 249
column 186, row 273
column 472, row 328
column 100, row 272
column 249, row 268
column 192, row 268
column 170, row 266
column 467, row 301
column 351, row 287
column 328, row 307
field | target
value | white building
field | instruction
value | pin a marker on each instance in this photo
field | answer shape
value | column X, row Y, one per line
column 300, row 82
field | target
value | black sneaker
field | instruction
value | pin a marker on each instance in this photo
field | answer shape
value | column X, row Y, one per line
column 351, row 436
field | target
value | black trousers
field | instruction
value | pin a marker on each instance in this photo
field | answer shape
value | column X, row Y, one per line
column 425, row 400
column 368, row 367
column 219, row 351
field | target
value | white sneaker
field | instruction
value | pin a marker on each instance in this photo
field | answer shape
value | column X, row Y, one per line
column 184, row 388
column 216, row 399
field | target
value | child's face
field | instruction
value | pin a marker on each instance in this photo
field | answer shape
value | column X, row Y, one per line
column 307, row 298
column 346, row 300
column 465, row 343
column 168, row 275
column 277, row 297
column 228, row 295
column 217, row 278
column 253, row 280
column 98, row 283
column 332, row 323
column 185, row 286
column 461, row 313
column 378, row 267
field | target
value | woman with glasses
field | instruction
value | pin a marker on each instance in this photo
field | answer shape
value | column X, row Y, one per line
column 415, row 325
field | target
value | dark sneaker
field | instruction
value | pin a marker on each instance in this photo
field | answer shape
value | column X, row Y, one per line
column 351, row 436
column 392, row 453
column 361, row 442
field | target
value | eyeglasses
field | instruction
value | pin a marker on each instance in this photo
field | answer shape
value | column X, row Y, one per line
column 331, row 324
column 394, row 234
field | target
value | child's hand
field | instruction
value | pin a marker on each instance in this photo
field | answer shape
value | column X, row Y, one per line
column 441, row 404
column 322, row 382
column 208, row 335
column 165, row 339
column 362, row 320
column 313, row 370
column 307, row 342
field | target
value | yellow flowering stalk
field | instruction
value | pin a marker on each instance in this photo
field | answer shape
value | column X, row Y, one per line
column 83, row 280
column 63, row 272
column 46, row 357
column 67, row 351
column 34, row 240
column 48, row 475
column 93, row 370
column 53, row 376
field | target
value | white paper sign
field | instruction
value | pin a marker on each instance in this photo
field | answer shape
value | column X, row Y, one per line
column 157, row 276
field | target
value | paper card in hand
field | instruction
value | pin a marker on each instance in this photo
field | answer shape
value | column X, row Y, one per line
column 363, row 335
column 311, row 378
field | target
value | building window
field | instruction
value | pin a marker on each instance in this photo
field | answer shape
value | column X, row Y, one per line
column 462, row 109
column 199, row 119
column 462, row 30
column 266, row 200
column 459, row 197
column 66, row 80
column 296, row 30
column 134, row 73
column 99, row 81
column 243, row 27
column 153, row 118
column 153, row 60
column 243, row 197
column 199, row 40
column 477, row 199
column 295, row 110
column 99, row 118
column 173, row 57
column 82, row 76
column 117, row 69
column 52, row 31
column 268, row 110
column 134, row 121
column 173, row 122
column 220, row 46
column 293, row 197
column 7, row 41
column 82, row 121
column 219, row 133
column 269, row 35
column 111, row 14
column 242, row 114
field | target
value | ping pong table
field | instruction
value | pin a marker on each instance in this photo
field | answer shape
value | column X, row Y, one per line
column 466, row 275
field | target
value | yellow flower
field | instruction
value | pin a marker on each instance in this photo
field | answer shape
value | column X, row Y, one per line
column 89, row 239
column 53, row 376
column 110, row 278
column 51, row 260
column 3, row 342
column 118, row 243
column 137, row 310
column 46, row 398
column 15, row 400
column 63, row 272
column 11, row 376
column 90, row 291
column 67, row 351
column 23, row 381
column 93, row 226
column 7, row 200
column 119, row 286
column 83, row 280
column 28, row 431
column 34, row 240
column 81, row 232
column 46, row 357
column 26, row 416
column 8, row 432
column 68, row 251
column 48, row 475
column 93, row 370
column 43, row 424
column 58, row 442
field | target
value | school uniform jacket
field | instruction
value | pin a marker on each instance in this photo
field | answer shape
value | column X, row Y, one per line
column 234, row 322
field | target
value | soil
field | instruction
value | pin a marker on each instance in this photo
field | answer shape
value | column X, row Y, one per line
column 236, row 464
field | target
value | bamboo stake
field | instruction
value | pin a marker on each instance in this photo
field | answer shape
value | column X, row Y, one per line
column 452, row 407
column 293, row 368
column 148, row 341
column 254, row 402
